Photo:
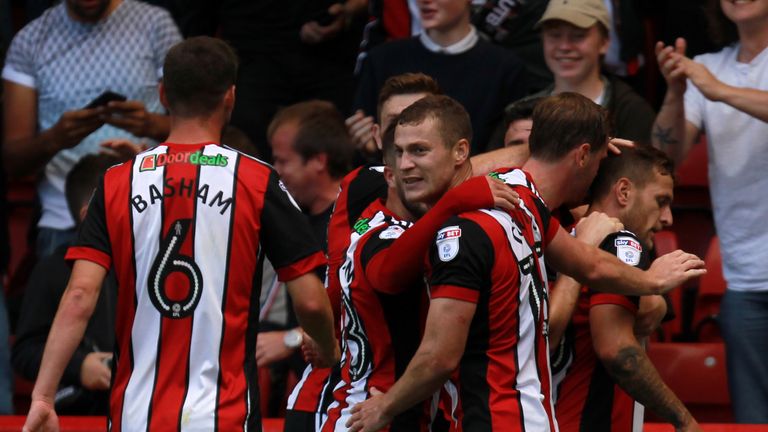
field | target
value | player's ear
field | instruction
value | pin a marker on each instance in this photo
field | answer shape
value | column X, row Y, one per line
column 376, row 131
column 163, row 96
column 389, row 176
column 318, row 162
column 461, row 151
column 582, row 153
column 229, row 98
column 623, row 190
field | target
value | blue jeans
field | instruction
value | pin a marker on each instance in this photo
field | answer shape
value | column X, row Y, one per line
column 6, row 374
column 49, row 239
column 744, row 325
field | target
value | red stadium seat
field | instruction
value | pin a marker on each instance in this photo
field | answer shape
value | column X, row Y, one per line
column 693, row 170
column 696, row 373
column 21, row 216
column 711, row 289
column 664, row 243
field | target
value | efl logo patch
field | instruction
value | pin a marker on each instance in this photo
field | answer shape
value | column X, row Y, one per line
column 628, row 250
column 392, row 232
column 448, row 243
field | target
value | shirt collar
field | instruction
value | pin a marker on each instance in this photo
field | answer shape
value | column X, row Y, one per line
column 464, row 45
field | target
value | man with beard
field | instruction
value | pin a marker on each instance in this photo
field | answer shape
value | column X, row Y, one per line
column 609, row 369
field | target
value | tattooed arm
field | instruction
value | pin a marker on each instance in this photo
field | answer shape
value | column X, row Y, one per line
column 671, row 132
column 626, row 362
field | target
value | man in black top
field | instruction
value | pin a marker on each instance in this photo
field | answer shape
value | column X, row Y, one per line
column 482, row 77
column 85, row 384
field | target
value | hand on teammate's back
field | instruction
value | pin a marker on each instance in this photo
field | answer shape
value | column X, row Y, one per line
column 594, row 228
column 503, row 196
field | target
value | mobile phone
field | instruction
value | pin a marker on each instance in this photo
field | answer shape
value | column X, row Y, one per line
column 105, row 98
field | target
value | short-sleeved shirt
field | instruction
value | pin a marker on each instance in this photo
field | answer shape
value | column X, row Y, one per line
column 380, row 331
column 737, row 146
column 358, row 189
column 587, row 397
column 186, row 228
column 495, row 259
column 69, row 63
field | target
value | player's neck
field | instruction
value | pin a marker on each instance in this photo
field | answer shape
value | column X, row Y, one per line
column 463, row 173
column 327, row 192
column 194, row 130
column 550, row 181
column 396, row 206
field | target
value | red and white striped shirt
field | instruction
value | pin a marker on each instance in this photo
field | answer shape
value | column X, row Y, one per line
column 186, row 228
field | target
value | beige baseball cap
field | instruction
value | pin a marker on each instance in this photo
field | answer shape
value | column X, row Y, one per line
column 581, row 13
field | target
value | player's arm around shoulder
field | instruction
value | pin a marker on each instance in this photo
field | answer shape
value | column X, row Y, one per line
column 604, row 272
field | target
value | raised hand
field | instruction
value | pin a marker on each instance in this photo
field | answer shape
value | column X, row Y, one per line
column 669, row 59
column 360, row 127
column 711, row 87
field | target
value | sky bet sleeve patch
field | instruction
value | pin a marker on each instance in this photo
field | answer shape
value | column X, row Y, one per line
column 448, row 243
column 628, row 250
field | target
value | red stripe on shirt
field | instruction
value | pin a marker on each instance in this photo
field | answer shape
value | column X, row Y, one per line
column 612, row 299
column 237, row 351
column 117, row 199
column 455, row 292
column 301, row 267
column 89, row 254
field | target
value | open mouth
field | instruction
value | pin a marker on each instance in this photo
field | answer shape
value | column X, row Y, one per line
column 411, row 180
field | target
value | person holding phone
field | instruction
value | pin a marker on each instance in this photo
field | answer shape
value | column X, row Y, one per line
column 56, row 66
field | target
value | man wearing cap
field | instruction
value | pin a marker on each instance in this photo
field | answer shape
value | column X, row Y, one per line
column 575, row 36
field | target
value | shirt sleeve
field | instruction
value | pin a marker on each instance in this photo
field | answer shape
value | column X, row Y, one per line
column 19, row 65
column 461, row 259
column 93, row 238
column 628, row 249
column 286, row 235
